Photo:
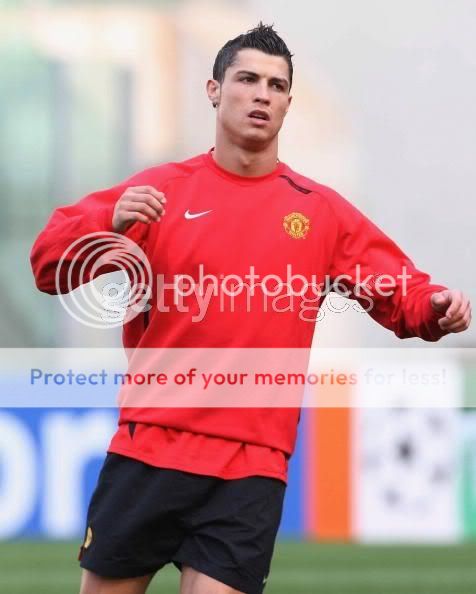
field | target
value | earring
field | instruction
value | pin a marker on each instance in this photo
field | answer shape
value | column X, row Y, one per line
column 214, row 104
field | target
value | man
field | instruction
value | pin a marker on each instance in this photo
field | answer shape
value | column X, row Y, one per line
column 204, row 488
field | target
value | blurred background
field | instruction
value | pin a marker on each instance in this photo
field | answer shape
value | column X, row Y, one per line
column 383, row 112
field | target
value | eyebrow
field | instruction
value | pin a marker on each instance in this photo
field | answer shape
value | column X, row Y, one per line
column 273, row 79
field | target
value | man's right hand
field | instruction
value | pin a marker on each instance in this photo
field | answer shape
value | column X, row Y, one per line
column 140, row 203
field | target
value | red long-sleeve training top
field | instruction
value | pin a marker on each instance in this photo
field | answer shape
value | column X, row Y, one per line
column 230, row 224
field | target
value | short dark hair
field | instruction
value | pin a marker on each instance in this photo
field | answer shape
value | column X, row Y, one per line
column 263, row 38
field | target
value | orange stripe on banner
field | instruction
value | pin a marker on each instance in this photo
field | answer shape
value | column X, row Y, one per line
column 329, row 503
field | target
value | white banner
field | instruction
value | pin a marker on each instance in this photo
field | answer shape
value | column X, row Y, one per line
column 405, row 459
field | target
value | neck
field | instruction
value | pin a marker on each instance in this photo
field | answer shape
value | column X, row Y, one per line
column 247, row 163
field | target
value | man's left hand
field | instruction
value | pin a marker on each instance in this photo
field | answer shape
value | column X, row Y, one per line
column 456, row 309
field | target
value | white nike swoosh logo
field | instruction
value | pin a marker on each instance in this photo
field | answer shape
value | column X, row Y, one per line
column 188, row 215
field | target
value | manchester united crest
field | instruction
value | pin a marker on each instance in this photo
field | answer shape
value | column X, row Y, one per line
column 296, row 225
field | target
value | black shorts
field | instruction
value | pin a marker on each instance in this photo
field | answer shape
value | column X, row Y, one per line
column 142, row 517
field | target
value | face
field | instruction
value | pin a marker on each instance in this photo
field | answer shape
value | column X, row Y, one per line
column 253, row 98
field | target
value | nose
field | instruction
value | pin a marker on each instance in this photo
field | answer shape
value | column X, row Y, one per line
column 262, row 93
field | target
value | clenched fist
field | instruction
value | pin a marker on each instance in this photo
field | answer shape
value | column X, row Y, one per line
column 456, row 309
column 140, row 203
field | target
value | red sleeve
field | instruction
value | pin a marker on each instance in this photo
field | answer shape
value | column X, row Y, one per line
column 67, row 224
column 363, row 257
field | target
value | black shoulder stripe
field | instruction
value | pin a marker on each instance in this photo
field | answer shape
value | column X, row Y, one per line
column 295, row 185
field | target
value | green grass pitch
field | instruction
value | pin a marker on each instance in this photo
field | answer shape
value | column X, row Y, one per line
column 298, row 568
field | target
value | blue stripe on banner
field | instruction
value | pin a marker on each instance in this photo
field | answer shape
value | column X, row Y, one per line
column 292, row 524
column 50, row 462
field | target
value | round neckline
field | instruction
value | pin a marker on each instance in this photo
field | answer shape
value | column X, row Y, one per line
column 241, row 179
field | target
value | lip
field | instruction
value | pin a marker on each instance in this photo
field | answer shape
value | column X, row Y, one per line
column 264, row 114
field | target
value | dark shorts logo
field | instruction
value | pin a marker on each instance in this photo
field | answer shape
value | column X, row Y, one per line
column 89, row 537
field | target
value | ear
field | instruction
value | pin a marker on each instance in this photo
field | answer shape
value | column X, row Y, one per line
column 213, row 91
